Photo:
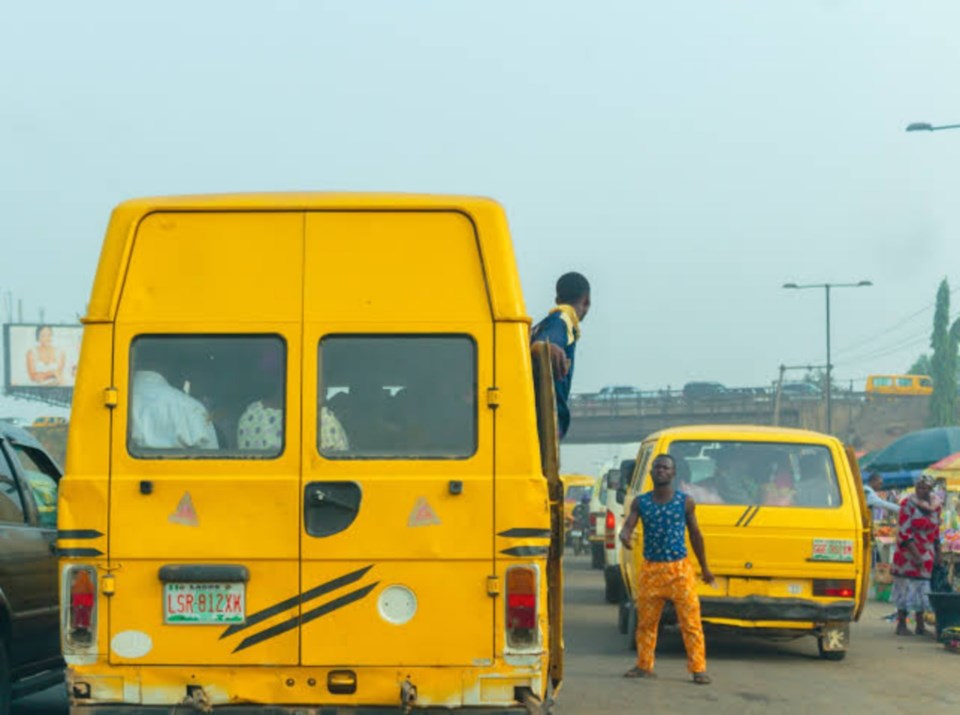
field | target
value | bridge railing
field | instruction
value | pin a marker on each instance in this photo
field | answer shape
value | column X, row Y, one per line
column 749, row 400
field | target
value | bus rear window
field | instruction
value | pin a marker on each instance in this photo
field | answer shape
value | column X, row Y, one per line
column 741, row 473
column 397, row 397
column 207, row 396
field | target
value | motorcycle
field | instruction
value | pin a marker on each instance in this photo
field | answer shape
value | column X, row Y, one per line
column 578, row 535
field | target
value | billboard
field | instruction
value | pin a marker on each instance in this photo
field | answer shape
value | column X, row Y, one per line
column 41, row 356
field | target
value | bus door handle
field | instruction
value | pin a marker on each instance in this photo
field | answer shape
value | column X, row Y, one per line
column 330, row 507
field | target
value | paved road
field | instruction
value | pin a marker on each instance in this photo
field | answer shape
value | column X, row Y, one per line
column 882, row 673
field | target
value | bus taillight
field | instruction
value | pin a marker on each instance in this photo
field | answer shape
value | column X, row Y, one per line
column 611, row 527
column 80, row 609
column 521, row 601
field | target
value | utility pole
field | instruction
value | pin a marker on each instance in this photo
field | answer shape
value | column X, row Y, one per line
column 827, row 287
column 778, row 395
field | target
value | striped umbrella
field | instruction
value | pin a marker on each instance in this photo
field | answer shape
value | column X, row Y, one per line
column 948, row 469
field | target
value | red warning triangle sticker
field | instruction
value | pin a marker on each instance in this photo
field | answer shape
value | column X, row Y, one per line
column 423, row 514
column 185, row 514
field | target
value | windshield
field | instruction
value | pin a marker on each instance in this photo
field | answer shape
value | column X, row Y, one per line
column 772, row 474
column 578, row 493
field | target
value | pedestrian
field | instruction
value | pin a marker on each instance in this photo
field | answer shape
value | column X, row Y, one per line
column 917, row 550
column 667, row 573
column 560, row 330
column 875, row 502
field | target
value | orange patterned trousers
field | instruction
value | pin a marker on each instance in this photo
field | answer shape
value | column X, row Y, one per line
column 676, row 581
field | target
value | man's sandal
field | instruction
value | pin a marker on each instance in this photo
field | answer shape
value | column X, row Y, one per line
column 636, row 672
column 702, row 679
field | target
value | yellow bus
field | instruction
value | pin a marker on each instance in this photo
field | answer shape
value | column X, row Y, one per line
column 304, row 467
column 786, row 527
column 900, row 385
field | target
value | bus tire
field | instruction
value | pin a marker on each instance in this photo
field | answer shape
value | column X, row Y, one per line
column 613, row 585
column 623, row 617
column 632, row 627
column 6, row 684
column 596, row 555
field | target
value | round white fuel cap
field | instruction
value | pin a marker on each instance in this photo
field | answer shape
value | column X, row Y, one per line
column 397, row 604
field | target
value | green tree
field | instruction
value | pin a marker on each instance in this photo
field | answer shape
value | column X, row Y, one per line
column 943, row 363
column 921, row 366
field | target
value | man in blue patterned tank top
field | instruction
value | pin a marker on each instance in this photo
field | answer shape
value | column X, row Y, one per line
column 667, row 574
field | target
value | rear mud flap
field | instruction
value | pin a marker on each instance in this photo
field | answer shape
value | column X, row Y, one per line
column 835, row 636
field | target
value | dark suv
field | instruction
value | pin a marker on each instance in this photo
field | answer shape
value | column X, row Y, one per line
column 694, row 391
column 29, row 612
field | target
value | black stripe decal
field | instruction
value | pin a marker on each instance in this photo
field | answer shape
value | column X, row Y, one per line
column 292, row 623
column 79, row 534
column 75, row 553
column 743, row 515
column 523, row 533
column 313, row 593
column 755, row 512
column 526, row 551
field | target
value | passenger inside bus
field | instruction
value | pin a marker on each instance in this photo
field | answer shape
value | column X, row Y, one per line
column 736, row 481
column 780, row 490
column 401, row 397
column 817, row 486
column 161, row 416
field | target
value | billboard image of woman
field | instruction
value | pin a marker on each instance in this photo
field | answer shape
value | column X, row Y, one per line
column 45, row 361
column 42, row 355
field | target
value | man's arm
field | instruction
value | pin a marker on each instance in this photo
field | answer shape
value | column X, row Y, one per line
column 696, row 541
column 874, row 501
column 626, row 532
column 554, row 334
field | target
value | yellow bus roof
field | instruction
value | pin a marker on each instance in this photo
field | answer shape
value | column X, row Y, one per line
column 747, row 433
column 570, row 480
column 487, row 216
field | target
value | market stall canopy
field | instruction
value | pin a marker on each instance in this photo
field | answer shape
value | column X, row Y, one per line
column 947, row 469
column 903, row 459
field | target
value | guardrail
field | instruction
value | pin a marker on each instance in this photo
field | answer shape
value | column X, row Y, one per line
column 750, row 400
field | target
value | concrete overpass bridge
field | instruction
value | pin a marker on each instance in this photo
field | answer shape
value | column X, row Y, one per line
column 865, row 423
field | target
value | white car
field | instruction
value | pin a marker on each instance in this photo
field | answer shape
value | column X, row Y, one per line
column 609, row 473
column 614, row 591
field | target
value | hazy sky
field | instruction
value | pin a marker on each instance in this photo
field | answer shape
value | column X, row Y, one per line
column 689, row 157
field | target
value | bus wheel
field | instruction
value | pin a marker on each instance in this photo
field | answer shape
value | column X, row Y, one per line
column 533, row 704
column 632, row 626
column 597, row 555
column 6, row 687
column 613, row 585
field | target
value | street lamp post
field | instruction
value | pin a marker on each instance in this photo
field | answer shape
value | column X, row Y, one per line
column 826, row 287
column 927, row 127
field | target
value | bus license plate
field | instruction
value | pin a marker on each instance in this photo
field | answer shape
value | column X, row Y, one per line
column 833, row 550
column 204, row 603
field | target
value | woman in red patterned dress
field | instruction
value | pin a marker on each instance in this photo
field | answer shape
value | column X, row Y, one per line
column 918, row 549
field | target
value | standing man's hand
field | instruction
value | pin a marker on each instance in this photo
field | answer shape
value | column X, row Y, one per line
column 708, row 578
column 559, row 361
column 625, row 541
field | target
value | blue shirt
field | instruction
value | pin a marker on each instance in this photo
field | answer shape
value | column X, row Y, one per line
column 558, row 328
column 664, row 526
